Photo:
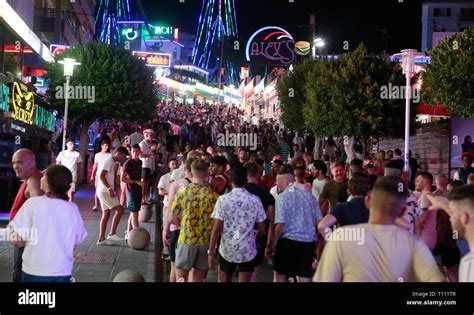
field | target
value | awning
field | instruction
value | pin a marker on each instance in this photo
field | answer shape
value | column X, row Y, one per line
column 425, row 109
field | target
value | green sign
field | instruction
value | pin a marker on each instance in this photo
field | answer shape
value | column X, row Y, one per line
column 39, row 116
column 157, row 31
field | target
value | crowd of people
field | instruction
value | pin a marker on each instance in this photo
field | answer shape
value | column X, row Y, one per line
column 329, row 216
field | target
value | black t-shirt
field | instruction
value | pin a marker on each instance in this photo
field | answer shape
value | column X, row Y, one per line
column 342, row 197
column 351, row 212
column 265, row 197
column 134, row 171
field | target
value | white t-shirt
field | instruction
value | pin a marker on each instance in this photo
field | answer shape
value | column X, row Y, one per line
column 466, row 268
column 70, row 160
column 239, row 210
column 115, row 144
column 52, row 228
column 255, row 121
column 147, row 162
column 274, row 192
column 105, row 162
column 376, row 253
column 164, row 183
column 318, row 186
column 178, row 173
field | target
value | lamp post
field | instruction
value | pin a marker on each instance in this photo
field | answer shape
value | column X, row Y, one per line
column 69, row 64
column 408, row 56
column 317, row 43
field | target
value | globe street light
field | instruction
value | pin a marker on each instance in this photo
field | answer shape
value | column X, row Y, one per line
column 408, row 56
column 69, row 64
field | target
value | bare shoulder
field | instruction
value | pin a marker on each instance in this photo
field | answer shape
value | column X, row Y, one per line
column 33, row 187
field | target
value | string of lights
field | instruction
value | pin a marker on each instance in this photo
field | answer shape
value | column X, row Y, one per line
column 217, row 22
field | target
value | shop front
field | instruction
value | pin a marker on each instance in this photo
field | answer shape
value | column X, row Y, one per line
column 25, row 122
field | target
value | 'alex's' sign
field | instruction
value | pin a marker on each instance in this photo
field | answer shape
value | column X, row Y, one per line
column 271, row 45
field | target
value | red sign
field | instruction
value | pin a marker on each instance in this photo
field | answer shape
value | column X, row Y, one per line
column 154, row 59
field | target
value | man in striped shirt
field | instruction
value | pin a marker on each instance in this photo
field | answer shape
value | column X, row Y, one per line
column 284, row 150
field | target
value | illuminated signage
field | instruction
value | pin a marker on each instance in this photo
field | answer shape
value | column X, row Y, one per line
column 271, row 45
column 154, row 59
column 206, row 89
column 155, row 32
column 23, row 104
column 23, row 107
column 130, row 33
column 5, row 96
column 58, row 49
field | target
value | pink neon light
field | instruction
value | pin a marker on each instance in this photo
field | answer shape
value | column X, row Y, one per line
column 271, row 34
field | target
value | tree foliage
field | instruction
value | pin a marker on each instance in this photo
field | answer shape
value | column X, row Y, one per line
column 449, row 79
column 292, row 95
column 343, row 96
column 124, row 86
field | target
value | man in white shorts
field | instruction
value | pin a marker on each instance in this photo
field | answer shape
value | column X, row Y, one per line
column 106, row 194
column 71, row 159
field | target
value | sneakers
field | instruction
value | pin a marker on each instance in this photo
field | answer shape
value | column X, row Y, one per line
column 126, row 236
column 104, row 243
column 114, row 238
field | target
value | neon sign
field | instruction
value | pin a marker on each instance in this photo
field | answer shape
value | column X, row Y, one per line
column 23, row 104
column 159, row 32
column 271, row 45
column 154, row 59
column 130, row 33
column 57, row 49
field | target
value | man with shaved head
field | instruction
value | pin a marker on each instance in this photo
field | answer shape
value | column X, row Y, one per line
column 378, row 251
column 24, row 164
column 296, row 217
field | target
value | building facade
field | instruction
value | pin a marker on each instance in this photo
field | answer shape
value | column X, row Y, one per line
column 444, row 18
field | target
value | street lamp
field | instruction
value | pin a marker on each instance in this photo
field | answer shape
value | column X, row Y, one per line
column 317, row 43
column 69, row 64
column 408, row 56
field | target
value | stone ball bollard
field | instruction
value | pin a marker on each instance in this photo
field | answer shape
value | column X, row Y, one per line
column 138, row 238
column 128, row 275
column 145, row 213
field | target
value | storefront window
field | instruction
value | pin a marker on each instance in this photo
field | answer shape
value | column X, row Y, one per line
column 12, row 51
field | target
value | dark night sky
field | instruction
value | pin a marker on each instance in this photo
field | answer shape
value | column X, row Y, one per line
column 336, row 21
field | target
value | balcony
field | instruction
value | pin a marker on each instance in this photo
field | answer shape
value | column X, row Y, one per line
column 47, row 20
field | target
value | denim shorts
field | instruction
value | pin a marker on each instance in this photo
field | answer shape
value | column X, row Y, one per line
column 30, row 278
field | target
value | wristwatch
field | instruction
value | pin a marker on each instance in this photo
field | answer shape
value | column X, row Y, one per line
column 211, row 252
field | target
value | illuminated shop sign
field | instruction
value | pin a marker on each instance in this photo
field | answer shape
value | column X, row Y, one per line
column 23, row 104
column 154, row 59
column 271, row 45
column 159, row 32
column 20, row 104
column 58, row 49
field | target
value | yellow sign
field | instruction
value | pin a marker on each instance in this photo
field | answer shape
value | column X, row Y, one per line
column 23, row 104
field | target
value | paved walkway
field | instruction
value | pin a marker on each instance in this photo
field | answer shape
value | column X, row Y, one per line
column 95, row 263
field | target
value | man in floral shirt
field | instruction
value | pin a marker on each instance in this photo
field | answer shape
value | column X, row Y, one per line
column 235, row 215
column 191, row 209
